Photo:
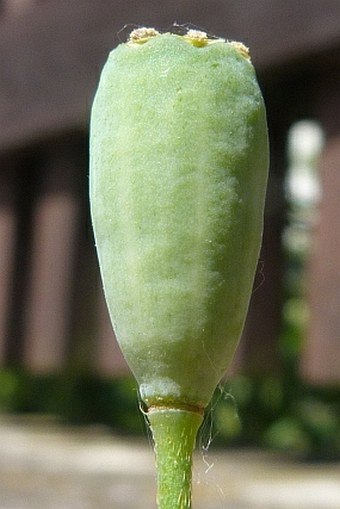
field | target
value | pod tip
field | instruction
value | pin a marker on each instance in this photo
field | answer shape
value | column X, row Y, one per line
column 142, row 35
column 241, row 48
column 197, row 38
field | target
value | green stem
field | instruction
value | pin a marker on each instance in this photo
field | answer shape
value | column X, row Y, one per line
column 174, row 433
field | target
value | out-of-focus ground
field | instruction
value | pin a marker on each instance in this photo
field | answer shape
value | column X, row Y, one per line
column 48, row 466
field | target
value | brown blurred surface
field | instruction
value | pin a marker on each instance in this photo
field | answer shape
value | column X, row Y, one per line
column 52, row 315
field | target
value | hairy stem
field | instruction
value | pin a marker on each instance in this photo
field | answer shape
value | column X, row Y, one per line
column 174, row 433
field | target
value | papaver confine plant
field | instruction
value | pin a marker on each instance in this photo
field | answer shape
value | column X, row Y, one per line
column 178, row 171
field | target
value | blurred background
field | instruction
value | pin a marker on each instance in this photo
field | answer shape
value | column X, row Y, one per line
column 58, row 355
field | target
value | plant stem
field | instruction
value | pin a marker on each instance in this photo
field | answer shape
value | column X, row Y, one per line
column 174, row 433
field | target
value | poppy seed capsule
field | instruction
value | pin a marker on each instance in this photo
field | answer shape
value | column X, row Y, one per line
column 178, row 171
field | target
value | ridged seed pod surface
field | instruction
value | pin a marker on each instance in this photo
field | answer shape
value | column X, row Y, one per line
column 179, row 161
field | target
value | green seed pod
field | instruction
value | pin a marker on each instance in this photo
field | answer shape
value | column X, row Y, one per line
column 179, row 158
column 178, row 173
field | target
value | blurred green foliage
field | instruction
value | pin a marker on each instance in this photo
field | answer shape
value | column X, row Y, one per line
column 282, row 414
column 77, row 398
